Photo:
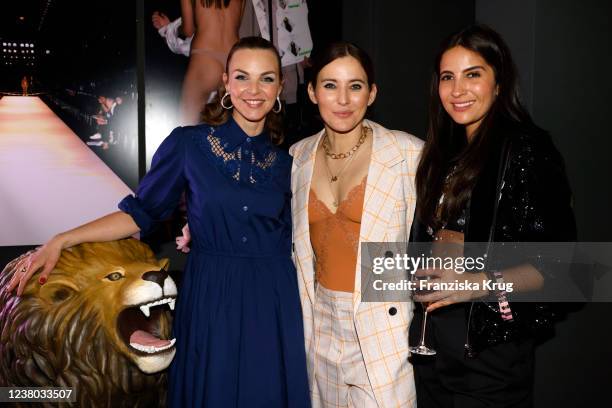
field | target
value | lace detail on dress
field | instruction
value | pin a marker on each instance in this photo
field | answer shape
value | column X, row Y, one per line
column 260, row 168
column 246, row 162
column 230, row 160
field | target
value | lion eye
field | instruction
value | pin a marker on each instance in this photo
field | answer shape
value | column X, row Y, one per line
column 115, row 276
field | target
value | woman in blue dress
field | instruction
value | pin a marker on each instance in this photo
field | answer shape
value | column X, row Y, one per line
column 238, row 322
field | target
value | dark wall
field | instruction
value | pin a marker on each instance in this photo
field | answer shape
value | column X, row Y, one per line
column 572, row 100
column 562, row 48
column 402, row 38
column 516, row 22
column 325, row 21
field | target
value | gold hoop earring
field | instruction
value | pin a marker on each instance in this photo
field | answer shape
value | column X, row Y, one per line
column 223, row 98
column 280, row 105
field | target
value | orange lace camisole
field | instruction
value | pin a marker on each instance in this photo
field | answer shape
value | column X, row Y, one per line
column 335, row 237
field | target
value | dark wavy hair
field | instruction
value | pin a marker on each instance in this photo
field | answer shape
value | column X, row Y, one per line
column 213, row 112
column 446, row 145
column 321, row 57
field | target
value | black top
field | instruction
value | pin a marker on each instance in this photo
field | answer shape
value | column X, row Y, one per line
column 535, row 205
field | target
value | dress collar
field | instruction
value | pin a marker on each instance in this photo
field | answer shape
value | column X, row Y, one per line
column 233, row 136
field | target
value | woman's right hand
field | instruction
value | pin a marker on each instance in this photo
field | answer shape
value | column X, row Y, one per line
column 110, row 227
column 159, row 20
column 44, row 257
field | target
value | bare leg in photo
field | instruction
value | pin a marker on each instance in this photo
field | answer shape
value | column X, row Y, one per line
column 203, row 76
column 215, row 25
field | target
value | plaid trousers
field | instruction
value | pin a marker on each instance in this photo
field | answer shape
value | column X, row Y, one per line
column 340, row 376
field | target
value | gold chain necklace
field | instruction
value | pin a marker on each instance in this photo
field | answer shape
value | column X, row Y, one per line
column 333, row 178
column 336, row 156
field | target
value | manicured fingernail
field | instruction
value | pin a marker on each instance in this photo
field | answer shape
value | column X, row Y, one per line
column 42, row 280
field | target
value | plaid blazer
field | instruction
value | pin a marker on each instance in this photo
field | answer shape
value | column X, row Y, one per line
column 389, row 202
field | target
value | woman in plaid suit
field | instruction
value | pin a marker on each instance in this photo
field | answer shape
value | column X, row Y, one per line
column 353, row 182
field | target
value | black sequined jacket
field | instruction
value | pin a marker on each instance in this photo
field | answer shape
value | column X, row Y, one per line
column 535, row 205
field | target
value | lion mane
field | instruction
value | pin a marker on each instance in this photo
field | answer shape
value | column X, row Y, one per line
column 100, row 325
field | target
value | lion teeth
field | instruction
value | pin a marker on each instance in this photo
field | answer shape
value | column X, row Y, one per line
column 152, row 349
column 145, row 310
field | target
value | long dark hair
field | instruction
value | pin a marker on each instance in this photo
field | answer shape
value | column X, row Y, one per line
column 214, row 114
column 446, row 147
column 323, row 56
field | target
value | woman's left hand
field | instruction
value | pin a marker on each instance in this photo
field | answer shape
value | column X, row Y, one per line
column 443, row 298
column 182, row 242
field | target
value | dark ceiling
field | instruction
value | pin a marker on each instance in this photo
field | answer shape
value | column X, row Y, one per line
column 73, row 38
column 25, row 19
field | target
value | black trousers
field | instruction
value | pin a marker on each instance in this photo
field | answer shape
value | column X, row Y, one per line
column 500, row 376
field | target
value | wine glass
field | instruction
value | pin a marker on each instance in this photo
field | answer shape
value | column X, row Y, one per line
column 422, row 349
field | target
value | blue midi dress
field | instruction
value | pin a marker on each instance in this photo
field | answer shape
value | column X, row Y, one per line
column 238, row 322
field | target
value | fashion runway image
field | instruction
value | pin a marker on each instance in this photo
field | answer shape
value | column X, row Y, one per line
column 50, row 180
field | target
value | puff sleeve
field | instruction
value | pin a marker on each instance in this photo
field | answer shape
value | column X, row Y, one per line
column 159, row 192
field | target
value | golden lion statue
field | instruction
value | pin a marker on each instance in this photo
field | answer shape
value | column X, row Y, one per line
column 99, row 325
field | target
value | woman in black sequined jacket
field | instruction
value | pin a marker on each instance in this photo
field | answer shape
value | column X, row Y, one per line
column 487, row 174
